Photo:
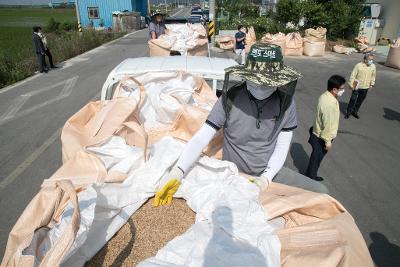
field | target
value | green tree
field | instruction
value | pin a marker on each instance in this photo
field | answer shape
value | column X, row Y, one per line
column 288, row 11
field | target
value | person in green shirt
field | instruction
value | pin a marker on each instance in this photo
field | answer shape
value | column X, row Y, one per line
column 361, row 80
column 326, row 124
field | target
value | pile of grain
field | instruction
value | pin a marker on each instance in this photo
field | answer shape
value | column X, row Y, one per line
column 146, row 232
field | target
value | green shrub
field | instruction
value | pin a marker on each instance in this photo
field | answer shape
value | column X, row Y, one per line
column 52, row 25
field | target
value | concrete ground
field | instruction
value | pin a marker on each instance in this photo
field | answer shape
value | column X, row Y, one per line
column 361, row 171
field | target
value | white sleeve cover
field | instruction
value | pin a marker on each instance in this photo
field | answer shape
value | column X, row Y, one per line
column 279, row 155
column 193, row 148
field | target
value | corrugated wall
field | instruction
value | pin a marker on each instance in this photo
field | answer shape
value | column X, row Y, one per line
column 106, row 7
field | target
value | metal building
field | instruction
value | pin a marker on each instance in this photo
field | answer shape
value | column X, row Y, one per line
column 99, row 12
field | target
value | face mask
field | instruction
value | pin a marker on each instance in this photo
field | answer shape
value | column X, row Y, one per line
column 370, row 62
column 340, row 93
column 260, row 92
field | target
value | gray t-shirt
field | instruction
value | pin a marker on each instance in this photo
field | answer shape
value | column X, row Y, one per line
column 158, row 28
column 249, row 147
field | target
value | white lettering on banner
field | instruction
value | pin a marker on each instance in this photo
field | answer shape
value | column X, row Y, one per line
column 263, row 53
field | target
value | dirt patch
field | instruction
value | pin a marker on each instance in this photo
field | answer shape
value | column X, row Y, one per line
column 146, row 232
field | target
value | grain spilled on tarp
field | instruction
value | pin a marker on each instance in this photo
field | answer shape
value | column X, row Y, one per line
column 147, row 231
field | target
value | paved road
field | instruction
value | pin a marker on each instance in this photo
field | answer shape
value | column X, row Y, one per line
column 32, row 113
column 363, row 168
column 361, row 171
column 183, row 12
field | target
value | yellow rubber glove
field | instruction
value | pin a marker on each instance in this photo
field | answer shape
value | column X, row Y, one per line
column 261, row 181
column 166, row 193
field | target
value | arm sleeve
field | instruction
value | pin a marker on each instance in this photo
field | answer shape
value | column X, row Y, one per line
column 373, row 77
column 291, row 121
column 330, row 125
column 279, row 155
column 193, row 148
column 353, row 76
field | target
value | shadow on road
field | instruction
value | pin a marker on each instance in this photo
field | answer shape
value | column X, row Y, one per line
column 383, row 252
column 391, row 114
column 300, row 157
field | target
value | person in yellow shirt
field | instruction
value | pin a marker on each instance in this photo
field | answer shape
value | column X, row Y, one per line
column 326, row 124
column 362, row 79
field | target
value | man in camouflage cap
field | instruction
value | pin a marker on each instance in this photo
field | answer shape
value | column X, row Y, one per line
column 257, row 115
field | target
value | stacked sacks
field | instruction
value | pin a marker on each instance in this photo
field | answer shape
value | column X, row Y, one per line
column 314, row 42
column 293, row 44
column 188, row 39
column 277, row 39
column 341, row 49
column 363, row 44
column 251, row 39
column 226, row 42
column 393, row 58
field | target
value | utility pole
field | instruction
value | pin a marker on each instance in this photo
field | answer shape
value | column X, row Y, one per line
column 78, row 17
column 212, row 17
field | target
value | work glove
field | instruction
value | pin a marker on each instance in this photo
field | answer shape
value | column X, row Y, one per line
column 261, row 181
column 166, row 193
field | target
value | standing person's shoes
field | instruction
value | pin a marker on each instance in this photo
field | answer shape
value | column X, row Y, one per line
column 346, row 116
column 54, row 67
column 355, row 115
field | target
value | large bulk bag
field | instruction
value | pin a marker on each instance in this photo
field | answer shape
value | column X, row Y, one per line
column 95, row 125
column 318, row 230
column 250, row 39
column 188, row 39
column 393, row 58
column 201, row 48
column 276, row 39
column 314, row 49
column 158, row 48
column 293, row 44
column 316, row 35
column 226, row 42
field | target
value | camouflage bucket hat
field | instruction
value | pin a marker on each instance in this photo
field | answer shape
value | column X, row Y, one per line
column 265, row 66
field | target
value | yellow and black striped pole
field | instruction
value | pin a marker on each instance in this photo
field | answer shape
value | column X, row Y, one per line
column 211, row 29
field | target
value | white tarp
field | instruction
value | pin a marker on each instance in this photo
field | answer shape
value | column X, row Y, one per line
column 182, row 37
column 231, row 228
column 166, row 92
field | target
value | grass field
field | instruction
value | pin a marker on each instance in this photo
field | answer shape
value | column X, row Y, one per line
column 17, row 57
column 16, row 26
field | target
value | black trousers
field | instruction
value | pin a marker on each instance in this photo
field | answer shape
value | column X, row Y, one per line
column 41, row 62
column 318, row 153
column 356, row 99
column 47, row 52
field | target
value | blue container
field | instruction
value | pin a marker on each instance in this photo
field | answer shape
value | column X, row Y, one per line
column 100, row 11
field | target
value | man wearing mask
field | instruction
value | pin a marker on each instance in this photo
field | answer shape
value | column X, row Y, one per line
column 157, row 26
column 240, row 37
column 361, row 80
column 257, row 116
column 326, row 124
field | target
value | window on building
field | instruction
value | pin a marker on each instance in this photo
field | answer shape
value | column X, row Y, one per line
column 93, row 12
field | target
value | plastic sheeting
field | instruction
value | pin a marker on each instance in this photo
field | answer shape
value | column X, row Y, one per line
column 230, row 229
column 185, row 38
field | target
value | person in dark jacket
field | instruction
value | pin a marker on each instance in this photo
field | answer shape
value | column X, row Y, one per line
column 39, row 49
column 46, row 49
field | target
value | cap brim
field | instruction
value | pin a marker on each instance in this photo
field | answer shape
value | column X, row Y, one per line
column 276, row 78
